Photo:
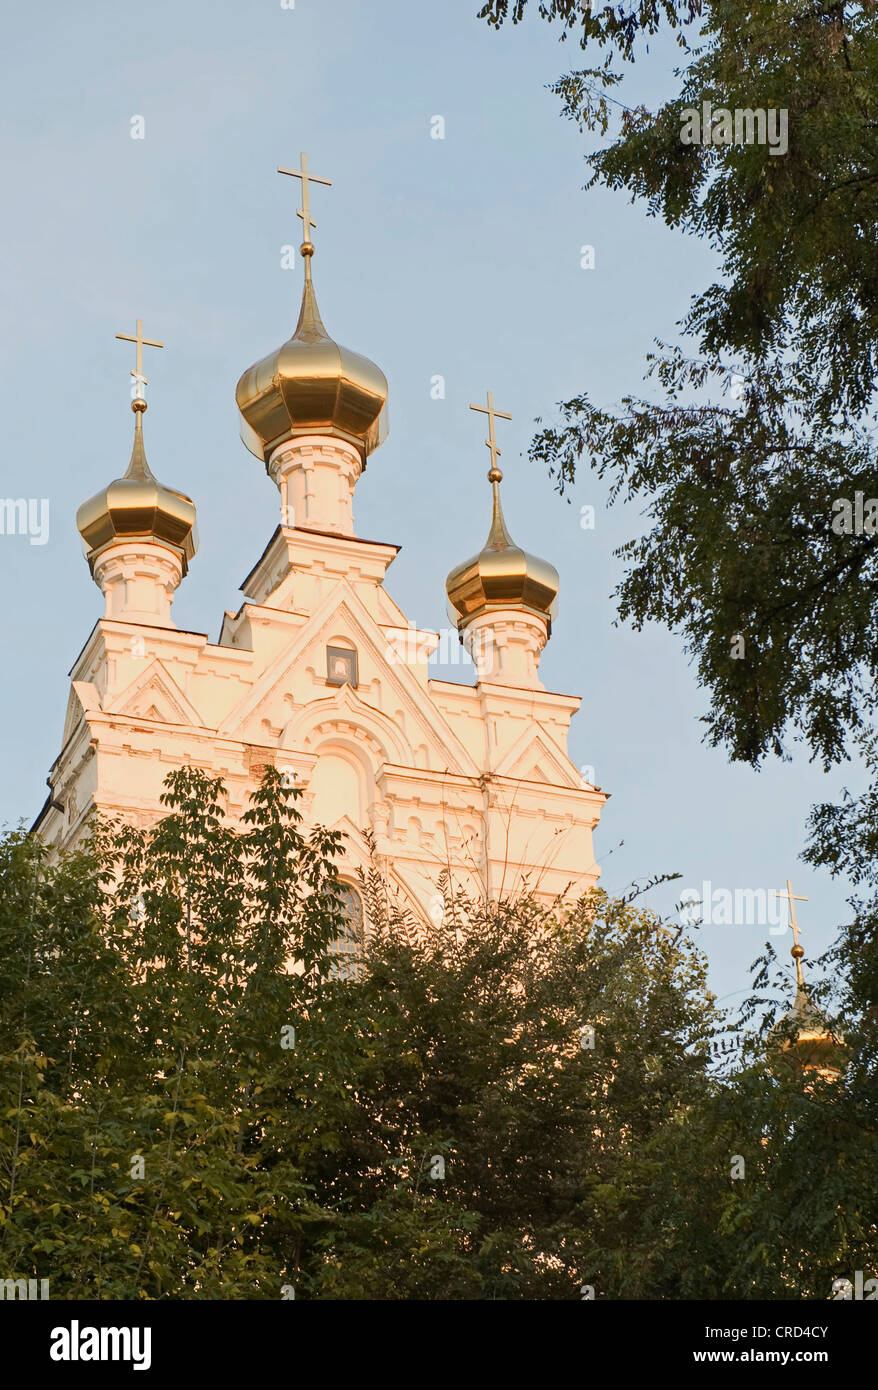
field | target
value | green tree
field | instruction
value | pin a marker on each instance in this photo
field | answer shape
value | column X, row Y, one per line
column 197, row 1104
column 534, row 1052
column 513, row 1102
column 778, row 1164
column 765, row 422
column 753, row 458
column 143, row 998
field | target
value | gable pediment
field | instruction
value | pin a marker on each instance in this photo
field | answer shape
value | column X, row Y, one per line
column 156, row 695
column 537, row 758
column 386, row 687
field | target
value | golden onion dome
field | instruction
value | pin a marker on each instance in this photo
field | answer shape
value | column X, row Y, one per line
column 312, row 385
column 502, row 575
column 803, row 1035
column 138, row 506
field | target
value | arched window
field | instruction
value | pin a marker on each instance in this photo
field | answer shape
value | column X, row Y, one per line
column 347, row 949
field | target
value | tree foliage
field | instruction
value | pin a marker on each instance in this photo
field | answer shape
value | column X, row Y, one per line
column 619, row 25
column 741, row 555
column 764, row 423
column 514, row 1101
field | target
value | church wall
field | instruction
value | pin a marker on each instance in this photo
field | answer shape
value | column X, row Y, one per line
column 319, row 672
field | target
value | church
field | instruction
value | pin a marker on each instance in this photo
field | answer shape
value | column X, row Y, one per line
column 318, row 671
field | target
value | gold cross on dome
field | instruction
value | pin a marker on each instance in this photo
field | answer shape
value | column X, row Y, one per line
column 793, row 899
column 492, row 414
column 307, row 179
column 797, row 951
column 138, row 338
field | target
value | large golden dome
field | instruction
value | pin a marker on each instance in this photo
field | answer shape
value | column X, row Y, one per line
column 138, row 506
column 502, row 575
column 312, row 385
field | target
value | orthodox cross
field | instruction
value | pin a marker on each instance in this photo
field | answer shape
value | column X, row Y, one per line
column 491, row 441
column 138, row 338
column 797, row 953
column 305, row 210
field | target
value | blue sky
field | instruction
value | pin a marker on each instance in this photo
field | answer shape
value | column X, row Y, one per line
column 458, row 257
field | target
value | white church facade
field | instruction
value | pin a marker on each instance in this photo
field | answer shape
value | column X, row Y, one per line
column 319, row 672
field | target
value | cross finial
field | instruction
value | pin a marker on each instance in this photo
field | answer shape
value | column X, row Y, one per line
column 138, row 400
column 797, row 952
column 491, row 441
column 304, row 211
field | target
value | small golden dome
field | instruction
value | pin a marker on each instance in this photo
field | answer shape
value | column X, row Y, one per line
column 312, row 385
column 138, row 506
column 804, row 1036
column 502, row 575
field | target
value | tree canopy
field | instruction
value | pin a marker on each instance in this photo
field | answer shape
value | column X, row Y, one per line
column 760, row 426
column 512, row 1101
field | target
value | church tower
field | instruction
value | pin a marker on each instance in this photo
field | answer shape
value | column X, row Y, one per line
column 803, row 1038
column 319, row 672
column 503, row 600
column 139, row 536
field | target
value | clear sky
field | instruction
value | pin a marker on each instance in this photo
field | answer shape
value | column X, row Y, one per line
column 458, row 257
